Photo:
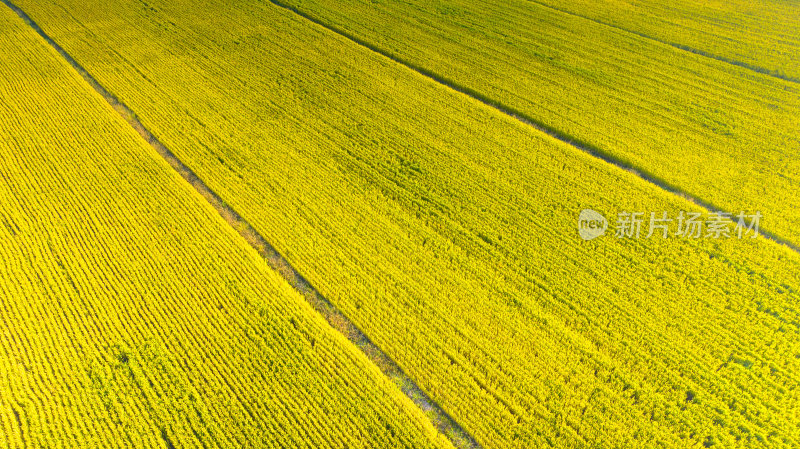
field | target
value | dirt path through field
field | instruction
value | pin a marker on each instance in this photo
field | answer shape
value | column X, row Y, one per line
column 440, row 419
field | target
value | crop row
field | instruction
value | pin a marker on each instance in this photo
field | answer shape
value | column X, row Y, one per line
column 132, row 315
column 719, row 132
column 447, row 232
column 762, row 34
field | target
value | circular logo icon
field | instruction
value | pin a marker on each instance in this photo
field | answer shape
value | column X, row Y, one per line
column 591, row 224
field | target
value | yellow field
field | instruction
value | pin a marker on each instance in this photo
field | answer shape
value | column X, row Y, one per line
column 763, row 35
column 447, row 230
column 132, row 315
column 721, row 133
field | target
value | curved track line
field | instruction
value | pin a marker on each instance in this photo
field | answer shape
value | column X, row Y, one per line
column 440, row 419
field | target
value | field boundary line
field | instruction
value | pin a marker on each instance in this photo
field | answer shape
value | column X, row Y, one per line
column 518, row 115
column 439, row 418
column 697, row 51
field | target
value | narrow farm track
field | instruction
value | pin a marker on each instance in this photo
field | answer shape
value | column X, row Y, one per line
column 690, row 49
column 445, row 229
column 531, row 121
column 763, row 35
column 644, row 105
column 133, row 315
column 440, row 418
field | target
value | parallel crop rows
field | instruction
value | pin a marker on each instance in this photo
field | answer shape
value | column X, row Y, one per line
column 721, row 133
column 446, row 230
column 761, row 34
column 131, row 315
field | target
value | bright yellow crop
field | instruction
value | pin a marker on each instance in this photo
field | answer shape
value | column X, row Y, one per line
column 721, row 133
column 447, row 231
column 763, row 35
column 132, row 315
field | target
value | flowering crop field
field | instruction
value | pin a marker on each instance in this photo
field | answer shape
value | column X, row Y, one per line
column 761, row 34
column 132, row 315
column 724, row 134
column 446, row 230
